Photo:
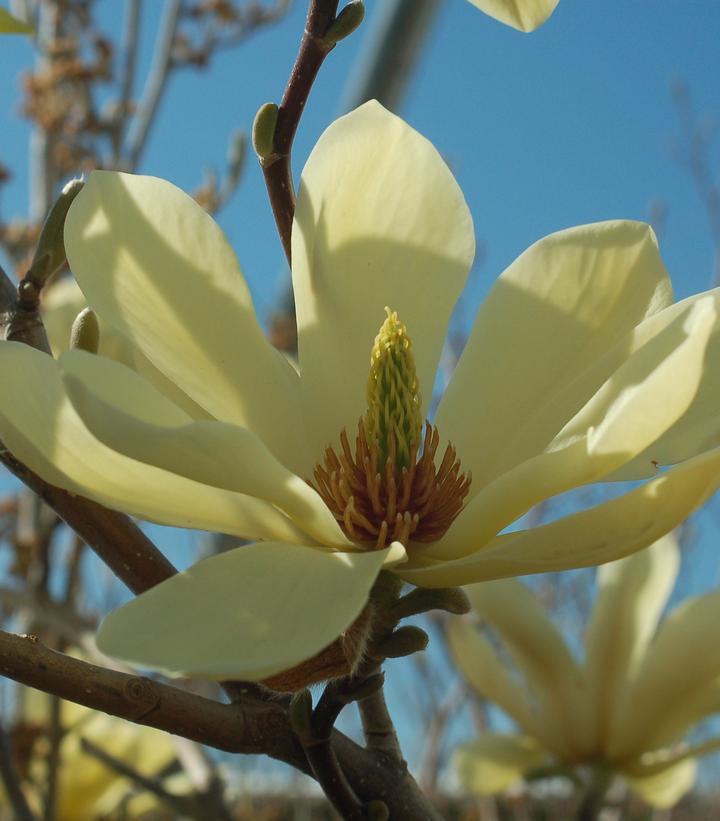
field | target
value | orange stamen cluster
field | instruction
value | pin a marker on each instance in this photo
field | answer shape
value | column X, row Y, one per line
column 378, row 504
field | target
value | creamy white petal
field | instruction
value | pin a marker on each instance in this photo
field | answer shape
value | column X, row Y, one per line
column 372, row 231
column 601, row 534
column 494, row 762
column 480, row 666
column 665, row 787
column 550, row 316
column 11, row 25
column 246, row 614
column 680, row 665
column 631, row 596
column 698, row 429
column 156, row 267
column 524, row 15
column 539, row 651
column 41, row 428
column 130, row 416
column 636, row 406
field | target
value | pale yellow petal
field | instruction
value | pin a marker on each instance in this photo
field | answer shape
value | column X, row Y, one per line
column 245, row 614
column 636, row 406
column 482, row 669
column 41, row 428
column 370, row 231
column 155, row 266
column 698, row 429
column 600, row 534
column 631, row 596
column 494, row 762
column 547, row 321
column 11, row 25
column 130, row 416
column 664, row 788
column 84, row 780
column 680, row 665
column 63, row 302
column 539, row 651
column 524, row 15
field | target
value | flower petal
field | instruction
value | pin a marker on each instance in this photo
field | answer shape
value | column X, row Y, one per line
column 371, row 231
column 664, row 788
column 681, row 664
column 127, row 414
column 40, row 427
column 549, row 317
column 494, row 762
column 480, row 666
column 698, row 429
column 156, row 267
column 11, row 25
column 632, row 594
column 524, row 15
column 635, row 407
column 245, row 614
column 540, row 653
column 601, row 534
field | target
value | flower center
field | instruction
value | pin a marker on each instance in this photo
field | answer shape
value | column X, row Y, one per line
column 387, row 488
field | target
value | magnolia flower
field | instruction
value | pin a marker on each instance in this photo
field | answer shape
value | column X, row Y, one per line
column 525, row 15
column 642, row 686
column 86, row 787
column 578, row 369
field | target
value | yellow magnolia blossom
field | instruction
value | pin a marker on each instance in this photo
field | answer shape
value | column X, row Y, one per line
column 524, row 15
column 86, row 787
column 626, row 707
column 579, row 368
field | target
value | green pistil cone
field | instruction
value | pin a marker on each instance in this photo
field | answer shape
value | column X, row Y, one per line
column 393, row 393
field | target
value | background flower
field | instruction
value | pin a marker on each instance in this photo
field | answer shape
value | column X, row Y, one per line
column 628, row 705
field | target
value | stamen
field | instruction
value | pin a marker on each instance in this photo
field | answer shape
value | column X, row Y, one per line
column 416, row 503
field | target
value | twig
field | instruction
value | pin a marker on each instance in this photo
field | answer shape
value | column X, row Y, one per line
column 183, row 806
column 378, row 726
column 11, row 780
column 156, row 83
column 113, row 536
column 276, row 168
column 135, row 698
column 129, row 48
column 330, row 776
column 53, row 761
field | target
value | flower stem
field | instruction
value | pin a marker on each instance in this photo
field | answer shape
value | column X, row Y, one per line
column 276, row 168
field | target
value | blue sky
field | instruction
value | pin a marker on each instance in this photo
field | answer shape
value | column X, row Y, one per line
column 567, row 125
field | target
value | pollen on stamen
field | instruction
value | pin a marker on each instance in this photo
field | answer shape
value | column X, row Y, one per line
column 378, row 504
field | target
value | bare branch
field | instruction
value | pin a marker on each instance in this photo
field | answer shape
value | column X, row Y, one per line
column 276, row 167
column 131, row 33
column 11, row 780
column 155, row 85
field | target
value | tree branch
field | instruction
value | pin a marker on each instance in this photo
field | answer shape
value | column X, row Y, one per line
column 156, row 83
column 116, row 539
column 11, row 780
column 135, row 698
column 276, row 167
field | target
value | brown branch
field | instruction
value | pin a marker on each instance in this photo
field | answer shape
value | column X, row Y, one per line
column 11, row 780
column 378, row 726
column 276, row 168
column 184, row 806
column 135, row 698
column 113, row 536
